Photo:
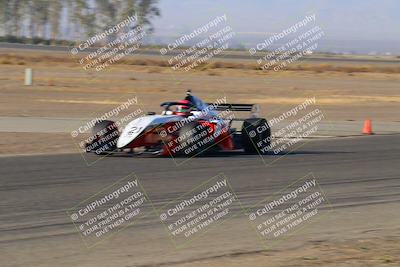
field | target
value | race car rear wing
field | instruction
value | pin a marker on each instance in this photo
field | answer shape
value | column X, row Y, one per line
column 233, row 107
column 253, row 108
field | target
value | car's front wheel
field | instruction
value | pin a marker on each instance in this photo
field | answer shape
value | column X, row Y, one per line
column 106, row 135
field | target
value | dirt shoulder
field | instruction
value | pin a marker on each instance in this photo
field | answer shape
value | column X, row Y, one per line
column 375, row 252
column 61, row 88
column 36, row 143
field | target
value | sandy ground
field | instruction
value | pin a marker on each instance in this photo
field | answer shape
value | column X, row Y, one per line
column 64, row 89
column 354, row 253
column 35, row 143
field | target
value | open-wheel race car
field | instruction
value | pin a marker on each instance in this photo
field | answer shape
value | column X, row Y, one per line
column 184, row 128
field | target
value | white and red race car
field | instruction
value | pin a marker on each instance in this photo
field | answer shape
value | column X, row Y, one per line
column 184, row 128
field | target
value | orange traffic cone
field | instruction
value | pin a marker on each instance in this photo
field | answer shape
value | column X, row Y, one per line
column 367, row 127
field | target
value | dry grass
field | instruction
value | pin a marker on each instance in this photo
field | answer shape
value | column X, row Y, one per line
column 6, row 62
column 158, row 64
column 212, row 73
column 347, row 69
column 154, row 70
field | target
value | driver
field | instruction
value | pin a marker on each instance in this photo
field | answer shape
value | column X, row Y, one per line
column 183, row 108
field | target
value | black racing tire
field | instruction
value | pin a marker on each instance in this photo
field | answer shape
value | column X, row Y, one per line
column 106, row 135
column 191, row 137
column 255, row 130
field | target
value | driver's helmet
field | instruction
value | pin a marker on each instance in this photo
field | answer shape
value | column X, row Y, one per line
column 183, row 108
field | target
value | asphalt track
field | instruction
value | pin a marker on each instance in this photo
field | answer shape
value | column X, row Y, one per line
column 36, row 191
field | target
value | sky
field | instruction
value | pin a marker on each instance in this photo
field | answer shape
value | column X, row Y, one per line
column 348, row 24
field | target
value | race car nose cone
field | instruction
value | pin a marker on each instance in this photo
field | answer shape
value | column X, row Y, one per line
column 131, row 131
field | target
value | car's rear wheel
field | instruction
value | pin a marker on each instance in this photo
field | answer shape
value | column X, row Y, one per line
column 256, row 135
